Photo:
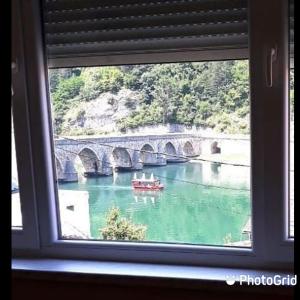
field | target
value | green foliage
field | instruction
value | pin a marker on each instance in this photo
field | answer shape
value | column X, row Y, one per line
column 132, row 75
column 118, row 228
column 56, row 75
column 201, row 94
column 202, row 113
column 209, row 94
column 147, row 115
column 227, row 240
column 91, row 88
column 66, row 90
column 98, row 80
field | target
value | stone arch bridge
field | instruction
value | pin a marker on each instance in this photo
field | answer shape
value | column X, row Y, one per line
column 129, row 152
column 104, row 154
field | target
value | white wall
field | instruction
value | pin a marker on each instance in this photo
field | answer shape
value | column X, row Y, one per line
column 75, row 220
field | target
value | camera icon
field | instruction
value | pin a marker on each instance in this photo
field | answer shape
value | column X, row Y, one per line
column 230, row 280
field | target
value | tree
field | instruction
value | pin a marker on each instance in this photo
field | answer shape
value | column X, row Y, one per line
column 66, row 90
column 57, row 75
column 163, row 93
column 210, row 94
column 227, row 240
column 121, row 228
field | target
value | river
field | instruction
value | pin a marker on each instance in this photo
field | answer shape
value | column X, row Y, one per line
column 193, row 208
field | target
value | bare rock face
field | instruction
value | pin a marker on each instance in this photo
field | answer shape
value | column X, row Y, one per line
column 101, row 114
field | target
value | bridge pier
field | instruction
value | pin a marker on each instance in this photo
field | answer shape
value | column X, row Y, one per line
column 107, row 171
column 70, row 174
column 137, row 163
column 160, row 160
column 154, row 160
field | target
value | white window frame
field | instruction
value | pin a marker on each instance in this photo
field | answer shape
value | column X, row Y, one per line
column 27, row 236
column 271, row 246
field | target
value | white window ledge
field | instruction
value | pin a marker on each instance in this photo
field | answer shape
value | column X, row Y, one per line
column 153, row 274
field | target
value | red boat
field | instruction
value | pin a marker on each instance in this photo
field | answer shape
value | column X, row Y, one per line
column 151, row 184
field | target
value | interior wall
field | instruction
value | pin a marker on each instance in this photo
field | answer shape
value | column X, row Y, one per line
column 45, row 289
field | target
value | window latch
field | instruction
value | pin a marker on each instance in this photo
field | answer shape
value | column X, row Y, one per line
column 14, row 68
column 271, row 58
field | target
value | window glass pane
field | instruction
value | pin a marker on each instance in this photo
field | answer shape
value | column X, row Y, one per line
column 16, row 216
column 154, row 152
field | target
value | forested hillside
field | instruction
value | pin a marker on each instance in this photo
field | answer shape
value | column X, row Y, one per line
column 207, row 94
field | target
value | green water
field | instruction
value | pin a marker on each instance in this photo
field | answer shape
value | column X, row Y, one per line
column 185, row 211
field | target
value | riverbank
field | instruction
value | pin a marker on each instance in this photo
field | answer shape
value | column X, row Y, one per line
column 234, row 158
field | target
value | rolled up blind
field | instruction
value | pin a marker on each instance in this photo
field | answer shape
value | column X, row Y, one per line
column 80, row 29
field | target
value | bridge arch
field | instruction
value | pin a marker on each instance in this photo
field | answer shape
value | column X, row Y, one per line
column 147, row 157
column 70, row 173
column 170, row 148
column 120, row 157
column 106, row 166
column 215, row 147
column 188, row 149
column 105, row 160
column 170, row 152
column 89, row 159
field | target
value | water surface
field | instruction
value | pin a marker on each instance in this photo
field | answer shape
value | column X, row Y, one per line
column 191, row 209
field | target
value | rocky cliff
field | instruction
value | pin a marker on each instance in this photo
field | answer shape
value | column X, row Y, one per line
column 100, row 115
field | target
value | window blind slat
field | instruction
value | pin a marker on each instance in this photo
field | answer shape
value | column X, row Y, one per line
column 147, row 32
column 236, row 15
column 82, row 28
column 59, row 5
column 136, row 46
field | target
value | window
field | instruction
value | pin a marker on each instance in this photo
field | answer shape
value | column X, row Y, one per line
column 24, row 220
column 126, row 137
column 72, row 46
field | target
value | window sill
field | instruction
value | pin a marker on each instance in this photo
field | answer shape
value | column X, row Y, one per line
column 143, row 274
